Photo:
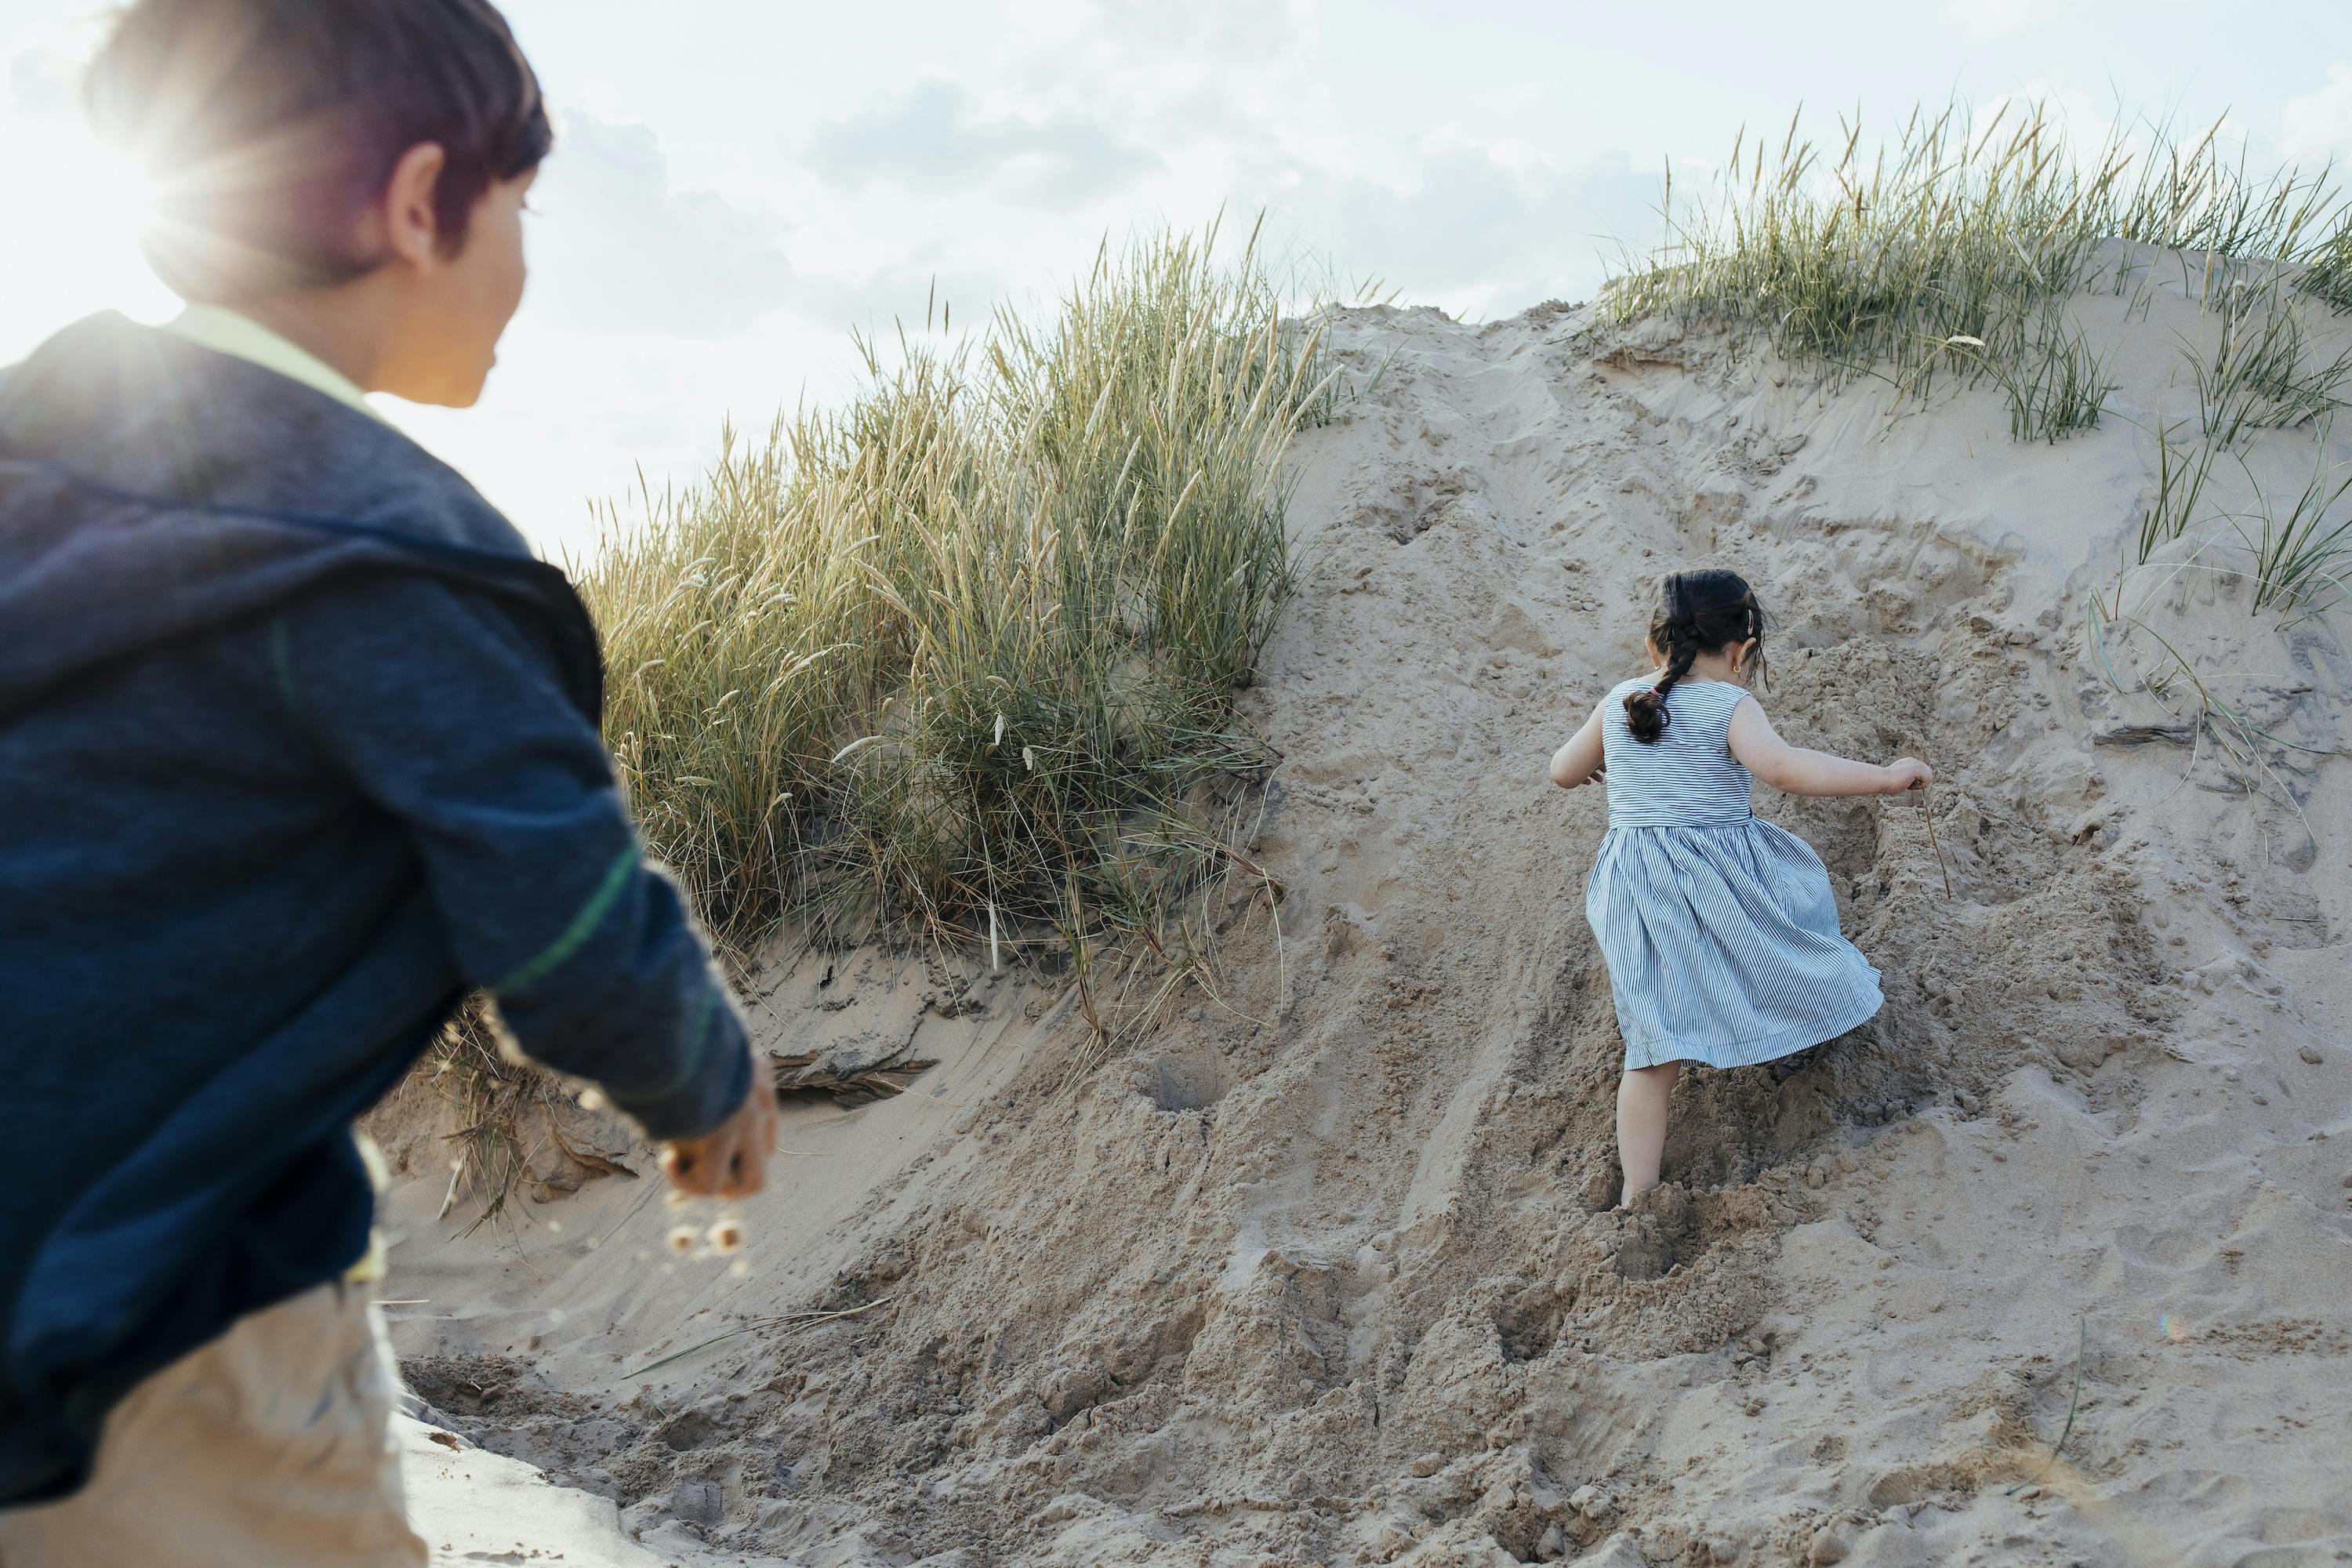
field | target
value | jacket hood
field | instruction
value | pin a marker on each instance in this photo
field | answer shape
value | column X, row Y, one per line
column 152, row 490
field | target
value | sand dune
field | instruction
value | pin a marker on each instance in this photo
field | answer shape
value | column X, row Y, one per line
column 1319, row 1270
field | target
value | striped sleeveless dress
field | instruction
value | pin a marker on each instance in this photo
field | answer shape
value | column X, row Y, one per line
column 1719, row 930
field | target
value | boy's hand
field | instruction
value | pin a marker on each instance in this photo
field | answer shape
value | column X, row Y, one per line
column 731, row 1161
column 1908, row 772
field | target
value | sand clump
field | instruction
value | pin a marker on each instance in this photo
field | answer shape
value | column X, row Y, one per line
column 1319, row 1268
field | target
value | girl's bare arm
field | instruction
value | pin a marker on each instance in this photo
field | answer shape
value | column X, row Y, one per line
column 1579, row 761
column 1802, row 772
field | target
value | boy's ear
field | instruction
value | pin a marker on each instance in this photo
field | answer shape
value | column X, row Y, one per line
column 412, row 222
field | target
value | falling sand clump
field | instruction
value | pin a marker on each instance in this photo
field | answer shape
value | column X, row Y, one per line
column 1320, row 1265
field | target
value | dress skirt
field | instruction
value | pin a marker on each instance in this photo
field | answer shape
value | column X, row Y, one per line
column 1722, row 945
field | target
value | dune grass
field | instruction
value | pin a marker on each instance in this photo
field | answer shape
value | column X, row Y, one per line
column 2250, row 752
column 2254, row 369
column 2054, row 392
column 1953, row 253
column 2328, row 278
column 491, row 1092
column 1949, row 254
column 2302, row 556
column 2297, row 549
column 958, row 657
column 956, row 660
column 2181, row 476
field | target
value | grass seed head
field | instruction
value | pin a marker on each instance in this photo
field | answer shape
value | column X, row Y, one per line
column 847, row 652
column 1951, row 254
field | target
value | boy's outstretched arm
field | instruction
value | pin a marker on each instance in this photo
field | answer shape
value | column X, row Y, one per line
column 1579, row 761
column 1802, row 772
column 444, row 712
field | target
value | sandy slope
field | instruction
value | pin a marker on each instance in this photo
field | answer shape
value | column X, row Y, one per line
column 1319, row 1271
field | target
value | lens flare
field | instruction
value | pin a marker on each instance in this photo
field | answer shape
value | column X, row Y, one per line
column 88, row 258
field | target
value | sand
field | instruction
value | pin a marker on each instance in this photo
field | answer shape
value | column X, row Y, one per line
column 1320, row 1269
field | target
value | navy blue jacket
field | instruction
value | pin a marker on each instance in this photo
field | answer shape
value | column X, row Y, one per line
column 297, row 743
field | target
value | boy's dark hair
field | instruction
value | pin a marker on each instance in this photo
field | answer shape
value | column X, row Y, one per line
column 1697, row 612
column 266, row 127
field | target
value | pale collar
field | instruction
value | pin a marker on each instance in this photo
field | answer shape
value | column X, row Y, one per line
column 223, row 330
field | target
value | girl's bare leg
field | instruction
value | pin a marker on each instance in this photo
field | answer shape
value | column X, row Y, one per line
column 1641, row 1097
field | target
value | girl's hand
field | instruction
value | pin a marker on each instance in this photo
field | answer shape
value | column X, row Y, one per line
column 1906, row 772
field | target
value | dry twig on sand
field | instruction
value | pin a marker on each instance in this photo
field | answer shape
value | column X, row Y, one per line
column 1928, row 817
column 790, row 1323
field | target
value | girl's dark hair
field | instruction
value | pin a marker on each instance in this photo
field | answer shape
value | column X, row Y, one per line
column 1697, row 612
column 266, row 127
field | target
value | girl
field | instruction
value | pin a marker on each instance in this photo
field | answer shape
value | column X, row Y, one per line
column 1719, row 930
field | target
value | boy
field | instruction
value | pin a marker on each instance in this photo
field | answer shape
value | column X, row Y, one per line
column 297, row 743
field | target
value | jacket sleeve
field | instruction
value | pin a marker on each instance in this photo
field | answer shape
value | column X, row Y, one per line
column 445, row 713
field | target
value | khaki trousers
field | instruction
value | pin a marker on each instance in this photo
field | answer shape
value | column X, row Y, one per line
column 269, row 1447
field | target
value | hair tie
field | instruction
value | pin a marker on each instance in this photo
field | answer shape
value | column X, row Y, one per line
column 1658, row 691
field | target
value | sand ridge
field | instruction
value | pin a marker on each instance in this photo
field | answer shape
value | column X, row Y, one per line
column 1320, row 1269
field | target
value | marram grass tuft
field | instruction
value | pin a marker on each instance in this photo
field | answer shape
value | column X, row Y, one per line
column 957, row 658
column 1949, row 254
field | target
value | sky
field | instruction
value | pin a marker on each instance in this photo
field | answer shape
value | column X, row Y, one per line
column 738, row 184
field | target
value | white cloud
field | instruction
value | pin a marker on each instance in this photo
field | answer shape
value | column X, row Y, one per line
column 1505, row 100
column 2319, row 123
column 1992, row 18
column 43, row 79
column 40, row 83
column 2085, row 121
column 731, row 204
column 1476, row 235
column 936, row 138
column 932, row 275
column 619, row 249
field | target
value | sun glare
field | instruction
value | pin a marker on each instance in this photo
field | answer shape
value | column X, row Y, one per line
column 85, row 207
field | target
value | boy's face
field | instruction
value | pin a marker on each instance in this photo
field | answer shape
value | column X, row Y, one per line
column 456, row 305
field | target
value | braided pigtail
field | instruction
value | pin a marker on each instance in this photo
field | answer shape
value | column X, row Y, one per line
column 1646, row 710
column 1697, row 612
